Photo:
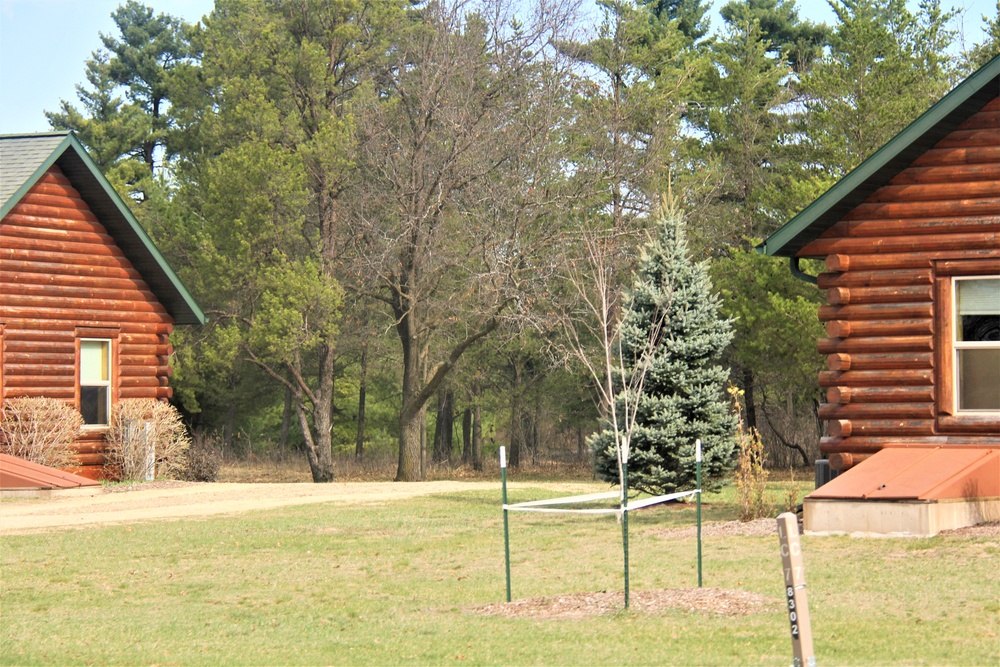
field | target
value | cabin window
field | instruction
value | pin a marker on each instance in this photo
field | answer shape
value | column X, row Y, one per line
column 976, row 343
column 95, row 381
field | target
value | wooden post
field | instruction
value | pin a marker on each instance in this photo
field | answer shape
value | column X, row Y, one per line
column 795, row 590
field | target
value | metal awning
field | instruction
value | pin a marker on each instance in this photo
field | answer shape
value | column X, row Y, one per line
column 17, row 473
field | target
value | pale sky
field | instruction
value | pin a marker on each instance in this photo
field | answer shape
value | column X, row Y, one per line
column 44, row 44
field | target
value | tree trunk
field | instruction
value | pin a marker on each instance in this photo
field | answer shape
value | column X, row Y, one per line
column 443, row 442
column 748, row 395
column 423, row 443
column 410, row 417
column 229, row 426
column 359, row 443
column 477, row 438
column 320, row 442
column 536, row 418
column 286, row 422
column 516, row 435
column 418, row 386
column 411, row 414
column 467, row 436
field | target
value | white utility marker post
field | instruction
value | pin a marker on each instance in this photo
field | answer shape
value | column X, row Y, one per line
column 795, row 590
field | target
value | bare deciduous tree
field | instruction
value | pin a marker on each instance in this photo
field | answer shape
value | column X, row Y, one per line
column 461, row 181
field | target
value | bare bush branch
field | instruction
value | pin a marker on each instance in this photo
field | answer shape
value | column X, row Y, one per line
column 146, row 440
column 40, row 430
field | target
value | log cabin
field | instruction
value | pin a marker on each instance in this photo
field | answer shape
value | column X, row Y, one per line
column 911, row 244
column 87, row 302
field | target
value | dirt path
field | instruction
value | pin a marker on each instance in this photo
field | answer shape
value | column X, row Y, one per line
column 22, row 516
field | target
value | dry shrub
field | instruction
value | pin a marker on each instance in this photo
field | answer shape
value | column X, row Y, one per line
column 204, row 458
column 146, row 440
column 791, row 493
column 750, row 477
column 40, row 430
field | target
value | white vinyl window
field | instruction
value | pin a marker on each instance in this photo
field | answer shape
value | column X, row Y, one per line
column 95, row 381
column 977, row 343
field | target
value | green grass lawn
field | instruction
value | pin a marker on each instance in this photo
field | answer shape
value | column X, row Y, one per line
column 398, row 584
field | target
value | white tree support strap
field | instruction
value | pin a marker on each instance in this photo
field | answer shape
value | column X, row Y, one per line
column 546, row 505
column 646, row 502
column 565, row 500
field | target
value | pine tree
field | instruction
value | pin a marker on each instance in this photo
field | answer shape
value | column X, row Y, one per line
column 682, row 400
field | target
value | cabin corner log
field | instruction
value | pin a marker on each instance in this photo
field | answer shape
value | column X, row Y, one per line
column 889, row 378
column 861, row 228
column 841, row 461
column 878, row 328
column 839, row 428
column 870, row 445
column 856, row 411
column 884, row 361
column 899, row 260
column 845, row 394
column 876, row 311
column 852, row 279
column 845, row 428
column 841, row 296
column 914, row 244
column 875, row 344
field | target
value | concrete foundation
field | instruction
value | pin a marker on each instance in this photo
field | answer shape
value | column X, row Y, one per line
column 895, row 518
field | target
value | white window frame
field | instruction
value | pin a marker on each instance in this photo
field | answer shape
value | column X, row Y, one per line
column 958, row 345
column 107, row 384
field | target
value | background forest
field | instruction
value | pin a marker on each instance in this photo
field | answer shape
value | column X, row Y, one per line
column 384, row 207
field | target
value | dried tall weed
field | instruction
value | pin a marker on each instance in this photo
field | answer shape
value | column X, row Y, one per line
column 40, row 430
column 750, row 477
column 146, row 440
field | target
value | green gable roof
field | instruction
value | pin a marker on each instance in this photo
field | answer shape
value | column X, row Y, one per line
column 948, row 113
column 25, row 158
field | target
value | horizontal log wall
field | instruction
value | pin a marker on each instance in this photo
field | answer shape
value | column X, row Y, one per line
column 939, row 217
column 62, row 277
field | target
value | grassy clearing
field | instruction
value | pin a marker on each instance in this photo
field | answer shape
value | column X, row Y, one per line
column 397, row 583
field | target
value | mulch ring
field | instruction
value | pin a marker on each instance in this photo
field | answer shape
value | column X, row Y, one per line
column 756, row 528
column 715, row 601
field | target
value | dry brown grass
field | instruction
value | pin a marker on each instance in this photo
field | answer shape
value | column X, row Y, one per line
column 290, row 468
column 655, row 602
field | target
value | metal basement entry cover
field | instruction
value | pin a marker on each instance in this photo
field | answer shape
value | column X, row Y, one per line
column 919, row 473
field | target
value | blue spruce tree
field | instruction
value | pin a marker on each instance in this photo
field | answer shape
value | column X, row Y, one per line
column 672, row 329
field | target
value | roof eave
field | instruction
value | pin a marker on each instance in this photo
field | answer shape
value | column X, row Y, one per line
column 950, row 111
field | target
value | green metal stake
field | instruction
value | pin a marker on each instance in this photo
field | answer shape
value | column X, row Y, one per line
column 697, row 461
column 506, row 530
column 625, row 522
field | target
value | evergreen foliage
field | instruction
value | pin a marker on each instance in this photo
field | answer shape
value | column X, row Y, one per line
column 682, row 398
column 980, row 54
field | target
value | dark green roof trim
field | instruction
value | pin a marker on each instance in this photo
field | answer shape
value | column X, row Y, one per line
column 948, row 113
column 115, row 216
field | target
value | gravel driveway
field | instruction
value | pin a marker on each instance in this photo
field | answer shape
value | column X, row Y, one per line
column 22, row 516
column 175, row 500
